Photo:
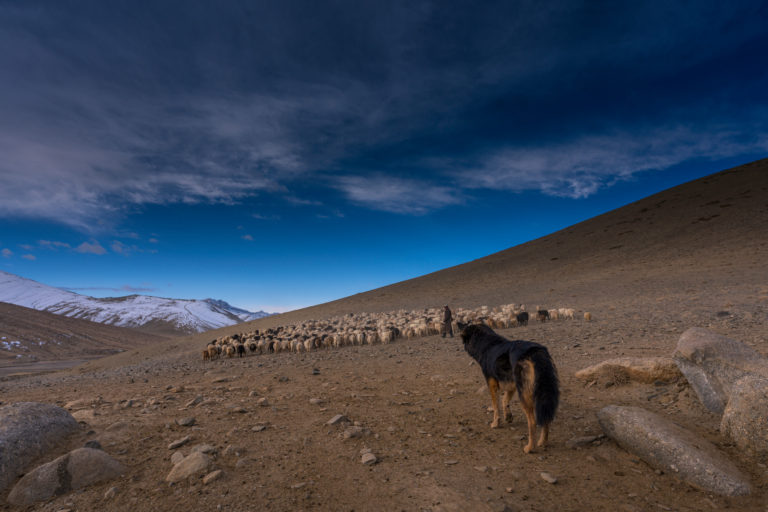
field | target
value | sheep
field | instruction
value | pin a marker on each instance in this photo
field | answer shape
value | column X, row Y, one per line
column 554, row 314
column 213, row 352
column 588, row 316
column 230, row 351
column 206, row 355
column 240, row 350
column 522, row 318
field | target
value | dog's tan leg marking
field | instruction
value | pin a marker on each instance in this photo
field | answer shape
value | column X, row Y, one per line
column 528, row 403
column 543, row 436
column 493, row 387
column 505, row 398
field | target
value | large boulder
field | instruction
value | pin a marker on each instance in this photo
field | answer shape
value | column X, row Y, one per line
column 29, row 430
column 78, row 468
column 745, row 419
column 668, row 447
column 713, row 363
column 625, row 369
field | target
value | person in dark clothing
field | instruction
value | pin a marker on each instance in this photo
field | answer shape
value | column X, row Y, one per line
column 447, row 322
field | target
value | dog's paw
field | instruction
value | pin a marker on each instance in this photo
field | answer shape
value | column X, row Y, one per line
column 528, row 448
column 495, row 424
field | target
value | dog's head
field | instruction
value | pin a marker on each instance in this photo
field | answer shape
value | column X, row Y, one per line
column 463, row 330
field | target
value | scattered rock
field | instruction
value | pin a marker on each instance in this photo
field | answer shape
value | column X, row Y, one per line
column 194, row 463
column 211, row 477
column 353, row 432
column 581, row 441
column 179, row 442
column 198, row 399
column 203, row 448
column 624, row 369
column 185, row 422
column 177, row 457
column 219, row 380
column 744, row 418
column 339, row 418
column 315, row 401
column 713, row 363
column 29, row 430
column 368, row 459
column 668, row 447
column 263, row 402
column 548, row 477
column 259, row 428
column 451, row 462
column 93, row 444
column 78, row 468
column 111, row 493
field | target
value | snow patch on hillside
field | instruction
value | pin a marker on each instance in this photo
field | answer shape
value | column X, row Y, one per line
column 130, row 311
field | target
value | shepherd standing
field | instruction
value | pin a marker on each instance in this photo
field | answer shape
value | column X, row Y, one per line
column 447, row 322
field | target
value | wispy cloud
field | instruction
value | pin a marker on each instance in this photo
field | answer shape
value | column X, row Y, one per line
column 92, row 247
column 30, row 257
column 247, row 237
column 581, row 167
column 7, row 253
column 53, row 244
column 397, row 195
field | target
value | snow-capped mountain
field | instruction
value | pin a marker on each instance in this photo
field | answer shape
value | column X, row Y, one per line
column 142, row 311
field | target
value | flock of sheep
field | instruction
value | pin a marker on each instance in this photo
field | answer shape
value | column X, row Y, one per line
column 371, row 328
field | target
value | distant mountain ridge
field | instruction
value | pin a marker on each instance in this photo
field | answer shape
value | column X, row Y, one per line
column 154, row 314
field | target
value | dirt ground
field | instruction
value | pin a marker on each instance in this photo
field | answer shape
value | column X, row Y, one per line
column 423, row 409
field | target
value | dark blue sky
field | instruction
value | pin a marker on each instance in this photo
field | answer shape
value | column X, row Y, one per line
column 285, row 153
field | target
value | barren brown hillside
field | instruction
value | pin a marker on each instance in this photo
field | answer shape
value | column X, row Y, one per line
column 690, row 256
column 45, row 337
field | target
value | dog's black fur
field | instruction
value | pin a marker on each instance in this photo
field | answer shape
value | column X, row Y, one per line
column 503, row 362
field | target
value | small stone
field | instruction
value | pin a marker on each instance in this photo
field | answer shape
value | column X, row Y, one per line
column 210, row 477
column 580, row 441
column 94, row 444
column 185, row 422
column 339, row 418
column 262, row 402
column 451, row 462
column 315, row 371
column 203, row 448
column 315, row 401
column 253, row 394
column 298, row 485
column 179, row 442
column 194, row 401
column 177, row 457
column 368, row 459
column 509, row 490
column 547, row 477
column 259, row 428
column 193, row 464
column 481, row 469
column 111, row 493
column 353, row 432
column 219, row 380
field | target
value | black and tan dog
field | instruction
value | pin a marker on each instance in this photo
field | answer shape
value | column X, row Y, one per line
column 522, row 366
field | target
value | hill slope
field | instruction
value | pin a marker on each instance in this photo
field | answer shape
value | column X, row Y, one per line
column 155, row 314
column 28, row 335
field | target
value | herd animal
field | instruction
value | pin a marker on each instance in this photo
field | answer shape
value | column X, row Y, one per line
column 371, row 329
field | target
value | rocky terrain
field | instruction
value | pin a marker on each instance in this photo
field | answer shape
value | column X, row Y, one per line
column 414, row 432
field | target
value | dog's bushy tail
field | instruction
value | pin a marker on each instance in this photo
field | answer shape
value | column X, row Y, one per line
column 546, row 390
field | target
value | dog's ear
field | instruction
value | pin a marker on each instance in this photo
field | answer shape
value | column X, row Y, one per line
column 461, row 326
